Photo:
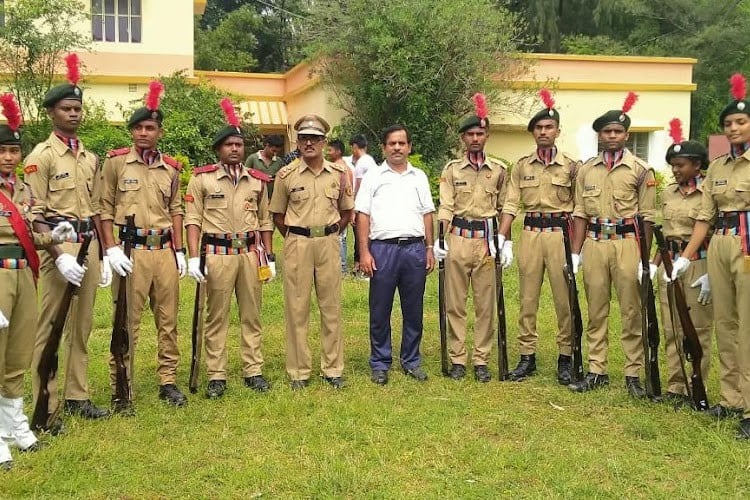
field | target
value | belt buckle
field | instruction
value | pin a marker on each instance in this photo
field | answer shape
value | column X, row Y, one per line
column 239, row 243
column 608, row 228
column 153, row 240
column 317, row 231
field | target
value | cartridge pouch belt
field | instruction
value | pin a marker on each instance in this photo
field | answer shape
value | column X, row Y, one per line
column 79, row 225
column 12, row 252
column 148, row 239
column 543, row 222
column 314, row 231
column 230, row 241
column 676, row 246
column 727, row 222
column 472, row 225
column 603, row 228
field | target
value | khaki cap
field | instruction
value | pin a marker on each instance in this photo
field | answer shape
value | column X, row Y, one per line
column 312, row 125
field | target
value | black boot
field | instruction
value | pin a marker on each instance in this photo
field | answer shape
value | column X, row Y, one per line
column 172, row 395
column 84, row 409
column 564, row 364
column 590, row 382
column 635, row 389
column 525, row 368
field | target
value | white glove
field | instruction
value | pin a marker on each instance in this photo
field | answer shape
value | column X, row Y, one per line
column 105, row 272
column 575, row 259
column 119, row 262
column 440, row 253
column 194, row 269
column 651, row 271
column 181, row 264
column 69, row 268
column 704, row 297
column 4, row 323
column 678, row 268
column 506, row 254
column 64, row 231
column 272, row 267
column 493, row 248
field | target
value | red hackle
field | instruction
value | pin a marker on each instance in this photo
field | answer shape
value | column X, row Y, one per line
column 72, row 62
column 153, row 98
column 480, row 105
column 11, row 111
column 739, row 86
column 630, row 100
column 547, row 98
column 229, row 113
column 675, row 130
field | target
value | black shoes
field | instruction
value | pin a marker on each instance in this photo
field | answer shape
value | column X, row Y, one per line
column 416, row 373
column 257, row 383
column 482, row 374
column 298, row 385
column 122, row 408
column 379, row 377
column 457, row 372
column 744, row 430
column 335, row 382
column 216, row 389
column 590, row 382
column 84, row 409
column 564, row 365
column 172, row 395
column 525, row 368
column 721, row 412
column 634, row 387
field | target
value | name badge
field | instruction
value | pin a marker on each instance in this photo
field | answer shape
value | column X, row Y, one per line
column 5, row 213
column 460, row 183
column 297, row 189
column 589, row 188
column 216, row 196
column 720, row 182
column 529, row 177
column 64, row 175
column 130, row 181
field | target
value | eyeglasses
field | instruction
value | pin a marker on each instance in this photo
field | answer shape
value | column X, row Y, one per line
column 312, row 139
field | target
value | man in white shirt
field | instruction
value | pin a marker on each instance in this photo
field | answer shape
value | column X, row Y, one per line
column 362, row 163
column 394, row 229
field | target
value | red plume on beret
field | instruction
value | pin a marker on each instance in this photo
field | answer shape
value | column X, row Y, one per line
column 72, row 62
column 153, row 98
column 630, row 100
column 480, row 105
column 738, row 85
column 675, row 130
column 229, row 113
column 547, row 98
column 11, row 111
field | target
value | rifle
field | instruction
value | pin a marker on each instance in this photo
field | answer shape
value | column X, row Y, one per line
column 676, row 297
column 119, row 345
column 444, row 362
column 47, row 369
column 650, row 325
column 197, row 336
column 576, row 321
column 502, row 341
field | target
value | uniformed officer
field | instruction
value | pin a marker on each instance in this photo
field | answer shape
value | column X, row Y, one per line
column 542, row 183
column 19, row 270
column 311, row 205
column 726, row 200
column 681, row 201
column 267, row 160
column 227, row 205
column 472, row 190
column 64, row 177
column 611, row 189
column 141, row 180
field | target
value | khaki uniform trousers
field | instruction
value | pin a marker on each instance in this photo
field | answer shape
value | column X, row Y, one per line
column 702, row 317
column 18, row 304
column 730, row 287
column 537, row 251
column 308, row 262
column 608, row 262
column 469, row 263
column 77, row 327
column 154, row 277
column 238, row 274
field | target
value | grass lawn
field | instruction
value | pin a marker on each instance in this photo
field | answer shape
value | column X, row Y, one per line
column 437, row 439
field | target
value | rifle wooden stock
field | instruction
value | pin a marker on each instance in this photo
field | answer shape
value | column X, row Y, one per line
column 197, row 332
column 502, row 339
column 444, row 361
column 120, row 342
column 649, row 322
column 47, row 368
column 576, row 320
column 678, row 302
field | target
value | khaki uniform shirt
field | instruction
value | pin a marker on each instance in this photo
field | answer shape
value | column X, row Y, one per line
column 64, row 184
column 310, row 199
column 726, row 187
column 24, row 200
column 151, row 192
column 216, row 205
column 469, row 193
column 623, row 192
column 680, row 211
column 540, row 188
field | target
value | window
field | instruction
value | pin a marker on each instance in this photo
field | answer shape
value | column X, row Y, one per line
column 116, row 20
column 638, row 144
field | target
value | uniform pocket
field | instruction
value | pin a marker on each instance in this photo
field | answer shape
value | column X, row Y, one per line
column 743, row 195
column 591, row 201
column 62, row 184
column 530, row 196
column 561, row 187
column 624, row 201
column 216, row 203
column 127, row 185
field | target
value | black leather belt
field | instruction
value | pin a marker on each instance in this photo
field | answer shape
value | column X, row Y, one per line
column 402, row 241
column 150, row 240
column 12, row 252
column 315, row 231
column 79, row 225
column 727, row 220
column 545, row 222
column 230, row 242
column 612, row 228
column 473, row 225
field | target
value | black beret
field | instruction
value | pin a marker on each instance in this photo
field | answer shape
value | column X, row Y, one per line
column 9, row 137
column 225, row 132
column 144, row 113
column 612, row 116
column 545, row 114
column 689, row 149
column 471, row 121
column 60, row 92
column 733, row 107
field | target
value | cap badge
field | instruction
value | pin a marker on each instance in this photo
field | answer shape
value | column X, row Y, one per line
column 154, row 115
column 16, row 135
column 552, row 112
column 622, row 117
column 677, row 148
column 740, row 105
column 76, row 91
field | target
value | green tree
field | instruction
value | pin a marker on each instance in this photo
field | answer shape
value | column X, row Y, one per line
column 230, row 46
column 36, row 35
column 416, row 62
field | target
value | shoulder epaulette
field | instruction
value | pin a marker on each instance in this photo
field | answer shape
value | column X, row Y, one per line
column 254, row 172
column 172, row 162
column 284, row 171
column 118, row 152
column 498, row 161
column 205, row 169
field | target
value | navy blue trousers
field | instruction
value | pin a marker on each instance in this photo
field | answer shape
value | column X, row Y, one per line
column 402, row 268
